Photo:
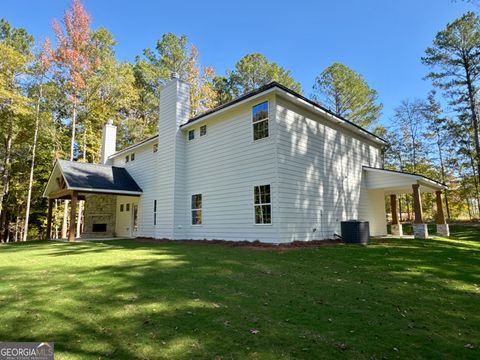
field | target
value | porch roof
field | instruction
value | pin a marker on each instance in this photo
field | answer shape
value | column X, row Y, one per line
column 70, row 176
column 396, row 182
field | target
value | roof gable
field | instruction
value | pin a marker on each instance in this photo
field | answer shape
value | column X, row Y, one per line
column 92, row 178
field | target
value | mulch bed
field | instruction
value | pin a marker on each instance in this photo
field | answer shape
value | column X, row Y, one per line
column 256, row 245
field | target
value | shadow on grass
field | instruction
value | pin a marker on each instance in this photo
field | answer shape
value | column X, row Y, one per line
column 126, row 299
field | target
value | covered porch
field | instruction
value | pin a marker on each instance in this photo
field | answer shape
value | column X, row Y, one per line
column 382, row 183
column 99, row 185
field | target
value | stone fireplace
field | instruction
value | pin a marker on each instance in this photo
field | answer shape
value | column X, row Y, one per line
column 100, row 212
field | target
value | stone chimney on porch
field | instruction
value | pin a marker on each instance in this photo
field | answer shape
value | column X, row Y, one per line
column 109, row 141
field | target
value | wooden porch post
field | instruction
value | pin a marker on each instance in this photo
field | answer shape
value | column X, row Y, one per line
column 440, row 215
column 49, row 218
column 73, row 209
column 442, row 226
column 417, row 204
column 393, row 207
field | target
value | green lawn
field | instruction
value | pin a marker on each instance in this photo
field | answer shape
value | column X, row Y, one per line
column 127, row 300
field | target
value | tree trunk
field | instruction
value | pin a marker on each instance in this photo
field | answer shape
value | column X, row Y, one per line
column 6, row 175
column 469, row 209
column 74, row 125
column 32, row 166
column 473, row 110
column 72, row 149
column 442, row 170
column 475, row 182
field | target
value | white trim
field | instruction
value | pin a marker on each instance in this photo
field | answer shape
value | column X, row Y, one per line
column 116, row 192
column 228, row 108
column 360, row 131
column 262, row 204
column 267, row 119
column 422, row 179
column 332, row 117
column 134, row 146
column 196, row 209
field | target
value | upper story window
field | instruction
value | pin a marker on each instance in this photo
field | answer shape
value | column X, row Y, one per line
column 121, row 207
column 155, row 148
column 127, row 158
column 127, row 207
column 260, row 121
column 203, row 130
column 191, row 135
column 132, row 157
column 263, row 204
column 196, row 209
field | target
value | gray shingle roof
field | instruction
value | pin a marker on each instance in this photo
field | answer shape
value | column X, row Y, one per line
column 95, row 177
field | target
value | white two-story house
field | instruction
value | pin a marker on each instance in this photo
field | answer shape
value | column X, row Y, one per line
column 270, row 166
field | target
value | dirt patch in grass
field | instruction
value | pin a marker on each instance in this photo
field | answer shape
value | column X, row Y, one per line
column 256, row 245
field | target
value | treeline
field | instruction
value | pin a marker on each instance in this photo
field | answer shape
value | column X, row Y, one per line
column 56, row 95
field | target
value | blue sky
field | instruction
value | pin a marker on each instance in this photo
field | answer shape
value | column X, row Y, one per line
column 381, row 39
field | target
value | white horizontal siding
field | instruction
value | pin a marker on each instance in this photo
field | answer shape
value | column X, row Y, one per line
column 142, row 169
column 320, row 174
column 224, row 166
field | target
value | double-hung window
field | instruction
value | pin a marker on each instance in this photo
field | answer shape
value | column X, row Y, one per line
column 203, row 130
column 263, row 204
column 260, row 121
column 191, row 135
column 197, row 209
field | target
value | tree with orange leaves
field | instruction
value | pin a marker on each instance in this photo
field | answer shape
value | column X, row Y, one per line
column 74, row 59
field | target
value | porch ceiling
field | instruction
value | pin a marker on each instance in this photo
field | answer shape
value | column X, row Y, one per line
column 395, row 182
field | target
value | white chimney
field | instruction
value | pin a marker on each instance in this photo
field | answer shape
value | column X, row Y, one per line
column 174, row 112
column 109, row 141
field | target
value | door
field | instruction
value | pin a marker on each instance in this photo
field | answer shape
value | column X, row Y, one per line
column 134, row 222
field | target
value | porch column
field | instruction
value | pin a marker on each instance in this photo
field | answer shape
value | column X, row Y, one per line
column 442, row 226
column 420, row 230
column 396, row 227
column 73, row 210
column 49, row 219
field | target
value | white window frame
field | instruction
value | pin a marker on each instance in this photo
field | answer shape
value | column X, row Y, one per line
column 132, row 157
column 203, row 127
column 196, row 209
column 191, row 132
column 262, row 204
column 155, row 148
column 127, row 159
column 267, row 119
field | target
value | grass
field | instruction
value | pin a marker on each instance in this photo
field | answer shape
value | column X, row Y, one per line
column 129, row 300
